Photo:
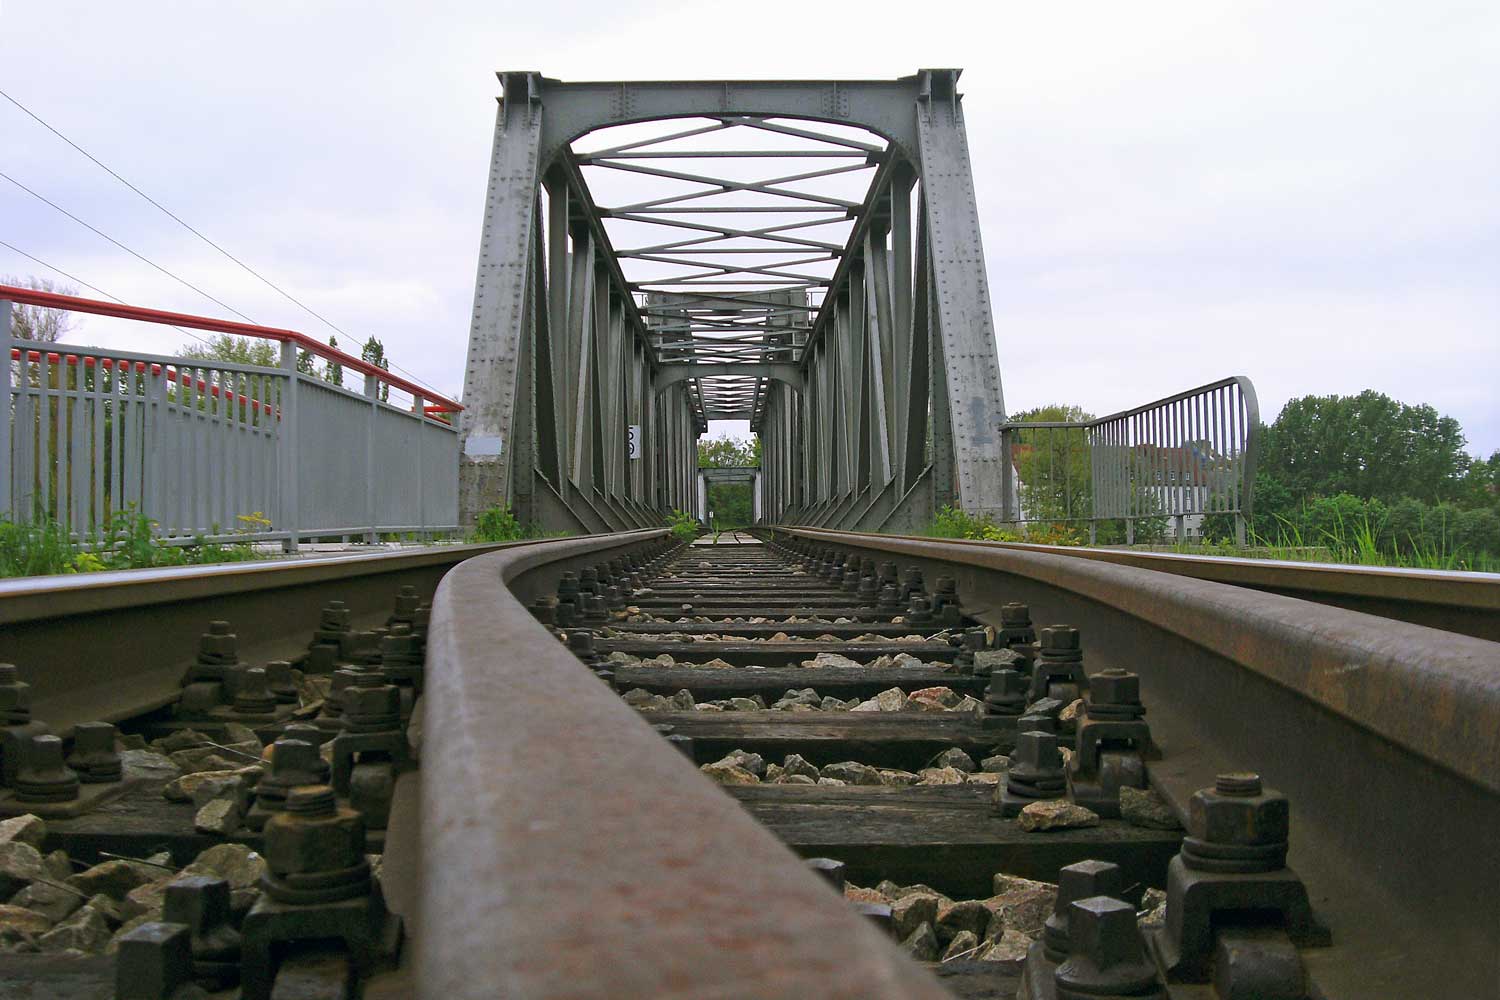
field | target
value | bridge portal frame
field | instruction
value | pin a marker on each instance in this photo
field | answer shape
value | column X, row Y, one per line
column 899, row 402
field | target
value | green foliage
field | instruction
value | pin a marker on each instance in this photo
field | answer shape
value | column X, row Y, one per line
column 127, row 542
column 334, row 372
column 1370, row 480
column 498, row 525
column 1052, row 463
column 729, row 453
column 1409, row 533
column 235, row 350
column 34, row 550
column 950, row 522
column 374, row 353
column 1368, row 445
column 731, row 505
column 683, row 525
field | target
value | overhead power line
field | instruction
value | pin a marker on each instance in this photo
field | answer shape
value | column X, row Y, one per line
column 185, row 225
column 85, row 284
column 138, row 256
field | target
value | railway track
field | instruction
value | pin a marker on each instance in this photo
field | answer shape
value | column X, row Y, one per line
column 616, row 766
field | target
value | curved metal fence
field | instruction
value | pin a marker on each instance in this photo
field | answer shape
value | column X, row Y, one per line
column 1183, row 457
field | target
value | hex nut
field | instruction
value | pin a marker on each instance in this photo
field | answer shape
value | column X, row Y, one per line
column 1115, row 687
column 1249, row 820
column 1060, row 638
column 304, row 844
column 1035, row 751
column 370, row 701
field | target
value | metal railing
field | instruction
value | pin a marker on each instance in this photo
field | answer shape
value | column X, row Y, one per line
column 1183, row 457
column 214, row 450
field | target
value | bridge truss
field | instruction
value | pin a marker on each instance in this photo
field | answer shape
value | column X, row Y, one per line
column 801, row 255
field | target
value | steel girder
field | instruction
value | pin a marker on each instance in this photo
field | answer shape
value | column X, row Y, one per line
column 866, row 362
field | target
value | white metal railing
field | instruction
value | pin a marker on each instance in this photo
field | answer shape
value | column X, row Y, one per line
column 211, row 449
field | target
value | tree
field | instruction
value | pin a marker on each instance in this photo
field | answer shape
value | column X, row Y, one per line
column 1481, row 485
column 305, row 364
column 374, row 353
column 731, row 503
column 729, row 453
column 1369, row 446
column 1052, row 463
column 34, row 322
column 235, row 350
column 334, row 372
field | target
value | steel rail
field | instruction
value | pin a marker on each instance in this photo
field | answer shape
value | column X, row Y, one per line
column 1383, row 733
column 112, row 645
column 1451, row 600
column 567, row 850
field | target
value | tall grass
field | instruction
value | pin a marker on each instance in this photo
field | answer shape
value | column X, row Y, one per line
column 129, row 541
column 1355, row 542
column 1351, row 541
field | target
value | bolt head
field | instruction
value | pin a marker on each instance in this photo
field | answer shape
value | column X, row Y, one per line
column 198, row 901
column 1006, row 684
column 1115, row 687
column 1062, row 638
column 830, row 869
column 297, row 844
column 1239, row 819
column 1037, row 750
column 1104, row 931
column 94, row 737
column 334, row 617
column 1088, row 878
column 289, row 756
column 368, row 701
column 1015, row 615
column 218, row 642
column 15, row 697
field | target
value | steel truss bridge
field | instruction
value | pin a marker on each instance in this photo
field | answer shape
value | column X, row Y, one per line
column 803, row 255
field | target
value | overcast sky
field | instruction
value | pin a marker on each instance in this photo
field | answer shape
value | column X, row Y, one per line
column 1307, row 194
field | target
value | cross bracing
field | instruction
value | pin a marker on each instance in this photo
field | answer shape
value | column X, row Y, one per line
column 801, row 255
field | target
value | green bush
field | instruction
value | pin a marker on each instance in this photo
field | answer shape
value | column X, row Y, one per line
column 951, row 522
column 128, row 541
column 498, row 525
column 683, row 525
column 1477, row 531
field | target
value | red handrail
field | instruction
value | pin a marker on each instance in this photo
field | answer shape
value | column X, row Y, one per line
column 90, row 361
column 72, row 303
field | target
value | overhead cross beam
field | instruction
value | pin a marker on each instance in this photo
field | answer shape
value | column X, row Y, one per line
column 803, row 255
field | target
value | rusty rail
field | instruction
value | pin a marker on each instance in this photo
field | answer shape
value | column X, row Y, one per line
column 1452, row 600
column 1383, row 733
column 102, row 637
column 567, row 850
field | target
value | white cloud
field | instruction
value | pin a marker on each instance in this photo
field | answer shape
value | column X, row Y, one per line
column 1169, row 193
